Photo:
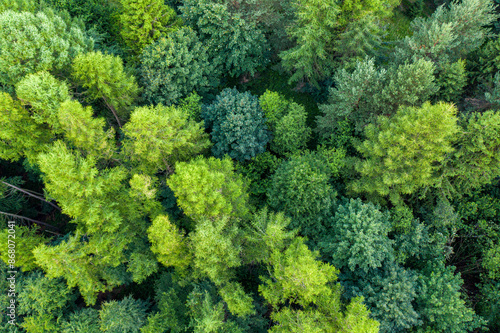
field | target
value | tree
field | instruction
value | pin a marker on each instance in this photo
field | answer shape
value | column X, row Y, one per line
column 85, row 132
column 326, row 31
column 235, row 45
column 176, row 65
column 26, row 240
column 314, row 31
column 449, row 33
column 144, row 21
column 287, row 121
column 84, row 320
column 48, row 43
column 474, row 162
column 389, row 293
column 305, row 297
column 103, row 77
column 209, row 187
column 440, row 303
column 127, row 315
column 43, row 94
column 358, row 238
column 169, row 243
column 237, row 123
column 157, row 137
column 43, row 301
column 367, row 93
column 404, row 152
column 82, row 191
column 20, row 135
column 217, row 244
column 301, row 190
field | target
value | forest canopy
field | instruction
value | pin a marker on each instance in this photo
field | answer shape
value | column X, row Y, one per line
column 247, row 166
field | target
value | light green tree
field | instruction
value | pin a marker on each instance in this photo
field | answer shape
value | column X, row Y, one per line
column 169, row 243
column 103, row 77
column 43, row 94
column 158, row 137
column 20, row 135
column 84, row 132
column 403, row 153
column 209, row 187
column 287, row 122
column 144, row 21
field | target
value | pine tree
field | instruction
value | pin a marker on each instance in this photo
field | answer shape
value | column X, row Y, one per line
column 238, row 125
column 175, row 66
column 358, row 238
column 235, row 46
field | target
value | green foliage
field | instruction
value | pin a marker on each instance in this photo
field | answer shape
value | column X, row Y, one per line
column 314, row 31
column 157, row 137
column 85, row 320
column 287, row 121
column 20, row 135
column 81, row 190
column 258, row 171
column 267, row 232
column 237, row 123
column 26, row 239
column 449, row 34
column 125, row 316
column 492, row 262
column 304, row 295
column 301, row 190
column 216, row 247
column 328, row 31
column 366, row 93
column 403, row 153
column 174, row 66
column 192, row 105
column 439, row 301
column 91, row 263
column 209, row 187
column 17, row 5
column 358, row 238
column 168, row 243
column 235, row 46
column 389, row 294
column 103, row 77
column 84, row 132
column 451, row 79
column 43, row 94
column 37, row 42
column 144, row 21
column 485, row 62
column 42, row 301
column 207, row 315
column 475, row 161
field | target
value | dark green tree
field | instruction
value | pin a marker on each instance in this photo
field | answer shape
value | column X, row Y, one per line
column 174, row 66
column 300, row 189
column 235, row 46
column 237, row 125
